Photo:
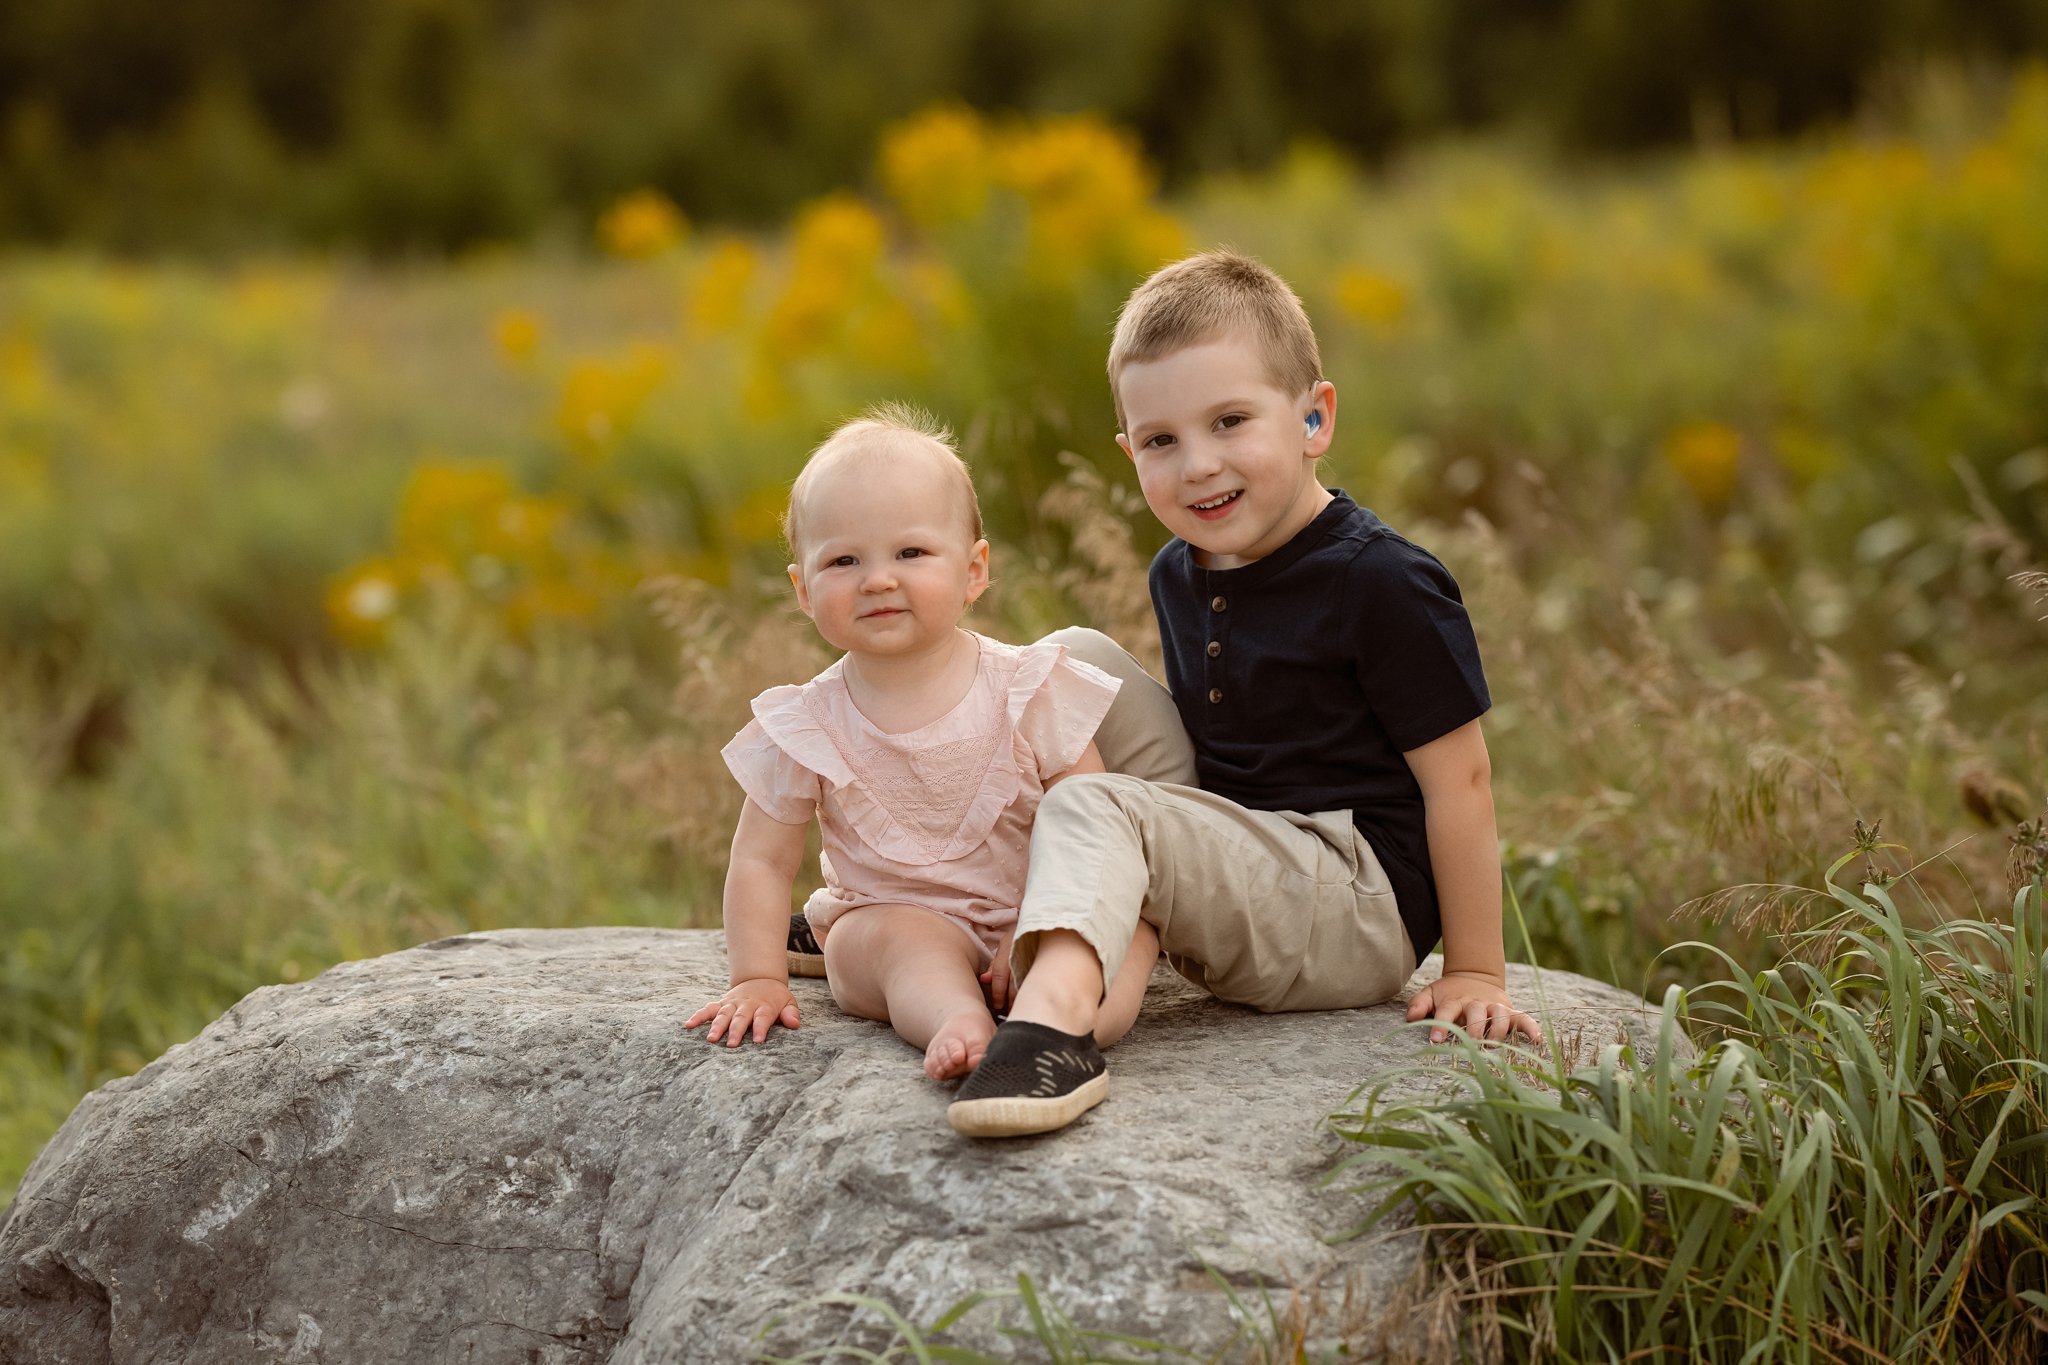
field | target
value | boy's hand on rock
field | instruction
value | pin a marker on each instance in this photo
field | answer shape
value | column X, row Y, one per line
column 759, row 1004
column 1477, row 1004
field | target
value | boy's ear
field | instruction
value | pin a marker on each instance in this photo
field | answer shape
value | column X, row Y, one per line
column 803, row 592
column 1322, row 406
column 1125, row 442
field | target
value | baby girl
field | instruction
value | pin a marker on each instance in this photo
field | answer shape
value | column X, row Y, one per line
column 922, row 753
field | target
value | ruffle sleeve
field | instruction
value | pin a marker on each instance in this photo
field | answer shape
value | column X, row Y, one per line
column 1057, row 703
column 782, row 759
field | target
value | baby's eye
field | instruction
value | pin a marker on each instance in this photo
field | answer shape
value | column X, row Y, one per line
column 909, row 552
column 844, row 561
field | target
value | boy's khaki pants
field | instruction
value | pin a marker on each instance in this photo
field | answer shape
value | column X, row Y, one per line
column 1272, row 909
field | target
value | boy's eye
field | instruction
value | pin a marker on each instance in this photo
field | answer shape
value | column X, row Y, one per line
column 1159, row 441
column 1229, row 419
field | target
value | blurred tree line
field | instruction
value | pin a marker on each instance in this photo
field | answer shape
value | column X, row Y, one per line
column 405, row 125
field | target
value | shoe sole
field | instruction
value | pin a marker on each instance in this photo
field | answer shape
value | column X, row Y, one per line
column 807, row 964
column 1019, row 1115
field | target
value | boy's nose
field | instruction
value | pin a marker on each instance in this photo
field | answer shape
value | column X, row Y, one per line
column 1199, row 462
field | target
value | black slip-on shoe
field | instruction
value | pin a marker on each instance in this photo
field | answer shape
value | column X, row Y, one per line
column 1032, row 1079
column 806, row 958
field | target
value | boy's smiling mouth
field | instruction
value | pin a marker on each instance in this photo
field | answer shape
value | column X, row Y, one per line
column 1216, row 506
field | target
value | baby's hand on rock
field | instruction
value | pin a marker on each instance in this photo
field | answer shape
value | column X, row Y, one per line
column 759, row 1004
column 1478, row 1004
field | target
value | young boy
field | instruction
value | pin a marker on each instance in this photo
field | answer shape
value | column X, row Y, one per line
column 1327, row 677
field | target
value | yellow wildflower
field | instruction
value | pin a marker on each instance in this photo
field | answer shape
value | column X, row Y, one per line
column 524, row 530
column 602, row 397
column 362, row 602
column 936, row 166
column 1378, row 300
column 516, row 333
column 1074, row 159
column 837, row 249
column 1992, row 167
column 554, row 600
column 642, row 224
column 445, row 505
column 718, row 303
column 24, row 378
column 1705, row 456
column 1085, row 184
column 837, row 233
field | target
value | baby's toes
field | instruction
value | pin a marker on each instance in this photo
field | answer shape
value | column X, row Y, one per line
column 946, row 1057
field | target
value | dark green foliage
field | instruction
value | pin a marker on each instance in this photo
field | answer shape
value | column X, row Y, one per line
column 402, row 125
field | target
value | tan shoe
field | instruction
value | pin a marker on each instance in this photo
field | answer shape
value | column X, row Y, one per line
column 806, row 958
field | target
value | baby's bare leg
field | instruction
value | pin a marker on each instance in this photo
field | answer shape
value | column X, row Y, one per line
column 1120, row 1003
column 920, row 974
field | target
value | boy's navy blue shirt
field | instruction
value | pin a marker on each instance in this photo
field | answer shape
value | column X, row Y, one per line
column 1304, row 676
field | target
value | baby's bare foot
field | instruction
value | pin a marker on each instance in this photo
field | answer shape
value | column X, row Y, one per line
column 958, row 1046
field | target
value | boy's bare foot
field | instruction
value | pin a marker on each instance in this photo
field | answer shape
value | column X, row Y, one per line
column 1064, row 988
column 957, row 1048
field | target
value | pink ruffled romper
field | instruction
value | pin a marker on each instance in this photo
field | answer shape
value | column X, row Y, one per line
column 939, row 816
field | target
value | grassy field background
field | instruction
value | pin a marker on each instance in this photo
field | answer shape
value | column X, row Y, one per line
column 343, row 607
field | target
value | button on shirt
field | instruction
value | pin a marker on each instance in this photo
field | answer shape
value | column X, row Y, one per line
column 1303, row 677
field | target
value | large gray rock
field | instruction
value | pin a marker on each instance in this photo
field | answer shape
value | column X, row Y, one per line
column 504, row 1147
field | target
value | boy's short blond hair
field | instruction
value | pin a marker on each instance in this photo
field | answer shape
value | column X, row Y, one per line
column 1207, row 296
column 885, row 431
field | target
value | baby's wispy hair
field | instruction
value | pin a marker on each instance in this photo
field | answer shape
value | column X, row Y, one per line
column 883, row 431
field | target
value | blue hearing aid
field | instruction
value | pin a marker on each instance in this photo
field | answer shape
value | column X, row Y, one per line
column 1315, row 422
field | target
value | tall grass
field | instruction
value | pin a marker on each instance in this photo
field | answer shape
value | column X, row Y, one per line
column 1852, row 1164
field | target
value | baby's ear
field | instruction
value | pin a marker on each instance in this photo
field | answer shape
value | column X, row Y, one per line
column 977, row 570
column 803, row 594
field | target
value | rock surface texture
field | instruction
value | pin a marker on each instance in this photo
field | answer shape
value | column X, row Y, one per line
column 504, row 1147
